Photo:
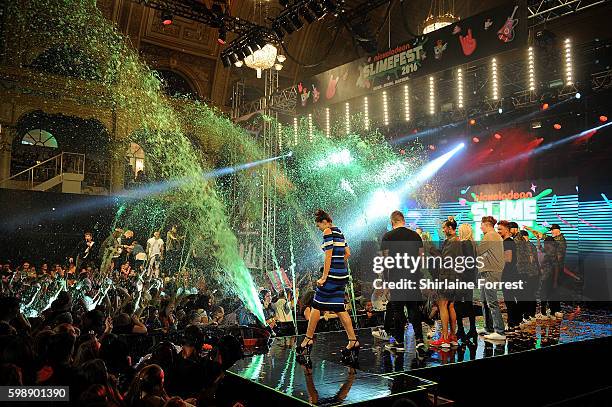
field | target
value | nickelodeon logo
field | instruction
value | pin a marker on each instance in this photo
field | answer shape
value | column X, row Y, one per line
column 501, row 196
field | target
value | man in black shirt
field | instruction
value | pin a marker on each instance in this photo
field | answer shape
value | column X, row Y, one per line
column 401, row 241
column 510, row 274
column 86, row 252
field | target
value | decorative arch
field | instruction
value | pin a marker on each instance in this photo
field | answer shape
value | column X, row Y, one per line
column 64, row 60
column 41, row 135
column 182, row 79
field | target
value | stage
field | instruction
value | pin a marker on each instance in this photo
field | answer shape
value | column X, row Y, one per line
column 556, row 353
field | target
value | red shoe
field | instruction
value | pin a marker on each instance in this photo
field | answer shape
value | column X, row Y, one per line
column 440, row 342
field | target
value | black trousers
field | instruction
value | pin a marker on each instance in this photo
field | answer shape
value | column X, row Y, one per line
column 395, row 319
column 465, row 309
column 513, row 307
column 527, row 297
column 549, row 295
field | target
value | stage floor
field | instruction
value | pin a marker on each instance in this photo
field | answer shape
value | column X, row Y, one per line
column 385, row 375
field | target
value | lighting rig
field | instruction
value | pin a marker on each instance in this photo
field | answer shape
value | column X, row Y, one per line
column 291, row 19
column 217, row 16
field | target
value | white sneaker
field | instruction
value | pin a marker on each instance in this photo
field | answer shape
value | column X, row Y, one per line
column 482, row 331
column 558, row 315
column 380, row 334
column 495, row 337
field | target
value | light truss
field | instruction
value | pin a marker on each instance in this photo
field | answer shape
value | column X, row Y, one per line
column 541, row 11
column 601, row 80
column 197, row 11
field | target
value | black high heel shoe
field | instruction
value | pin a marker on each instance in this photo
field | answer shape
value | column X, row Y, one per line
column 350, row 355
column 303, row 352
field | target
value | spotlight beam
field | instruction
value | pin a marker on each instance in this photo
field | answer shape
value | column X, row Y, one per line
column 494, row 128
column 534, row 152
column 381, row 202
column 140, row 193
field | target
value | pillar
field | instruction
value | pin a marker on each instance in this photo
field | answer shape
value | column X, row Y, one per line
column 7, row 135
column 117, row 167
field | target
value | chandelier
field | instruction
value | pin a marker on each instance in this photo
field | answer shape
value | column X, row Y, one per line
column 261, row 59
column 441, row 13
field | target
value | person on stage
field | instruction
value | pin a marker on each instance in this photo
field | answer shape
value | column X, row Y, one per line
column 86, row 255
column 399, row 241
column 329, row 295
column 491, row 249
column 451, row 248
column 464, row 298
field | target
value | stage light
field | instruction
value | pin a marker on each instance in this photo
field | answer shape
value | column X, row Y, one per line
column 432, row 96
column 347, row 117
column 366, row 114
column 281, row 58
column 294, row 19
column 545, row 106
column 569, row 74
column 241, row 52
column 578, row 95
column 317, row 9
column 557, row 126
column 166, row 18
column 238, row 64
column 226, row 60
column 406, row 103
column 327, row 123
column 308, row 15
column 460, row 88
column 329, row 5
column 310, row 127
column 222, row 35
column 279, row 135
column 497, row 136
column 295, row 131
column 234, row 58
column 494, row 84
column 278, row 30
column 385, row 108
column 531, row 69
column 603, row 118
column 472, row 122
column 475, row 139
column 500, row 110
column 432, row 147
column 261, row 41
column 278, row 67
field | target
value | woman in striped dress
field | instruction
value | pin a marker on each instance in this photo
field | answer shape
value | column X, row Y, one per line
column 329, row 295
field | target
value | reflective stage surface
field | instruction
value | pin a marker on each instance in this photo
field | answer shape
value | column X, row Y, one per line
column 383, row 374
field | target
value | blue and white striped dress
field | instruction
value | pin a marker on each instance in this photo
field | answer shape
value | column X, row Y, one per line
column 330, row 296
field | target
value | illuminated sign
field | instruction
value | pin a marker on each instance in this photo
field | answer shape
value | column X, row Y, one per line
column 522, row 211
column 400, row 61
column 509, row 204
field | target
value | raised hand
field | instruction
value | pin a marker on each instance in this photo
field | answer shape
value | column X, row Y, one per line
column 468, row 43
